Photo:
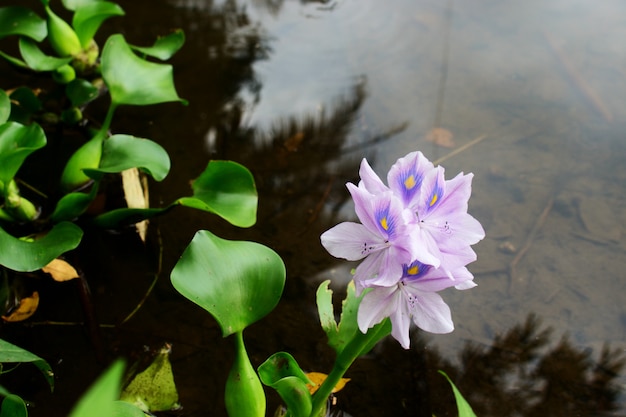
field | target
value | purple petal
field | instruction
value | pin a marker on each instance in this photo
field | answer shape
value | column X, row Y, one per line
column 370, row 180
column 431, row 193
column 378, row 304
column 406, row 175
column 351, row 241
column 430, row 312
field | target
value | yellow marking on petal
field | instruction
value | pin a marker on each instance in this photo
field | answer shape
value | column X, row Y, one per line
column 409, row 182
column 433, row 200
column 414, row 270
column 383, row 223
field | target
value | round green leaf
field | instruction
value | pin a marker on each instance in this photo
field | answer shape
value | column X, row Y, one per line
column 132, row 80
column 16, row 143
column 88, row 18
column 237, row 282
column 26, row 256
column 16, row 20
column 122, row 152
column 37, row 60
column 227, row 189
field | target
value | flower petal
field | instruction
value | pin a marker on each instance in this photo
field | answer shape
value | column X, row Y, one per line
column 351, row 241
column 430, row 312
column 372, row 182
column 406, row 175
column 378, row 304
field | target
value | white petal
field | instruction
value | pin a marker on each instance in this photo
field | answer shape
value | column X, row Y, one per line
column 349, row 241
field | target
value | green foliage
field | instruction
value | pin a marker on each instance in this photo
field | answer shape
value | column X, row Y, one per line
column 17, row 20
column 237, row 282
column 13, row 406
column 465, row 410
column 89, row 16
column 164, row 47
column 281, row 372
column 244, row 396
column 16, row 143
column 9, row 353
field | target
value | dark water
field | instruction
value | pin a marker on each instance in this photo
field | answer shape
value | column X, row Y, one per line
column 299, row 92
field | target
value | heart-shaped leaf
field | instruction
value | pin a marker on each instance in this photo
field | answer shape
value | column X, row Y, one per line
column 16, row 143
column 37, row 60
column 16, row 20
column 9, row 353
column 88, row 18
column 26, row 256
column 227, row 189
column 120, row 152
column 237, row 282
column 132, row 80
column 164, row 47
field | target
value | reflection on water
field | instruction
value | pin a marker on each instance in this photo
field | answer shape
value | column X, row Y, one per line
column 299, row 92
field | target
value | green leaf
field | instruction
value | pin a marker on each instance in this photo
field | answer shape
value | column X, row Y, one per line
column 75, row 4
column 72, row 205
column 16, row 143
column 465, row 410
column 132, row 80
column 121, row 152
column 227, row 189
column 164, row 47
column 99, row 400
column 339, row 335
column 13, row 406
column 237, row 282
column 16, row 20
column 89, row 17
column 154, row 389
column 9, row 353
column 26, row 256
column 281, row 372
column 37, row 60
column 5, row 107
column 124, row 409
column 81, row 91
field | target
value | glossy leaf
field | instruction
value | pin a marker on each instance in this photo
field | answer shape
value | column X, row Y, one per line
column 80, row 92
column 9, row 353
column 99, row 400
column 61, row 35
column 13, row 406
column 16, row 143
column 281, row 372
column 227, row 189
column 124, row 409
column 339, row 335
column 75, row 4
column 164, row 47
column 37, row 60
column 89, row 17
column 121, row 152
column 237, row 282
column 132, row 80
column 26, row 256
column 72, row 205
column 17, row 20
column 465, row 410
column 5, row 107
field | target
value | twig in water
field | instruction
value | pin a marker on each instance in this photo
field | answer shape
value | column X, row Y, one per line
column 460, row 149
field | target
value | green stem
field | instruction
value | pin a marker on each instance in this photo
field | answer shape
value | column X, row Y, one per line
column 107, row 120
column 359, row 345
column 244, row 393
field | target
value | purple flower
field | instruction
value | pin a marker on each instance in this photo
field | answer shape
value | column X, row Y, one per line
column 413, row 299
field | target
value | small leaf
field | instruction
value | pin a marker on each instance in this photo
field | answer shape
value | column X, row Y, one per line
column 121, row 152
column 237, row 282
column 281, row 372
column 465, row 410
column 16, row 20
column 75, row 4
column 132, row 80
column 60, row 270
column 16, row 143
column 99, row 400
column 89, row 17
column 227, row 189
column 15, row 354
column 13, row 406
column 72, row 205
column 27, row 307
column 154, row 389
column 339, row 335
column 37, row 60
column 5, row 107
column 25, row 256
column 80, row 92
column 164, row 47
column 24, row 103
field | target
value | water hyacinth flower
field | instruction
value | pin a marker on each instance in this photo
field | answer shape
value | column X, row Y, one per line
column 414, row 240
column 414, row 299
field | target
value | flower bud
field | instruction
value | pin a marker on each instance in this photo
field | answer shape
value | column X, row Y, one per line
column 87, row 156
column 62, row 37
column 64, row 74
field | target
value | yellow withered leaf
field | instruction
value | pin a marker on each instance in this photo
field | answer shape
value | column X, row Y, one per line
column 136, row 195
column 60, row 270
column 318, row 378
column 27, row 307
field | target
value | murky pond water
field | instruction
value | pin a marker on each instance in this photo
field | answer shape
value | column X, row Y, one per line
column 529, row 96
